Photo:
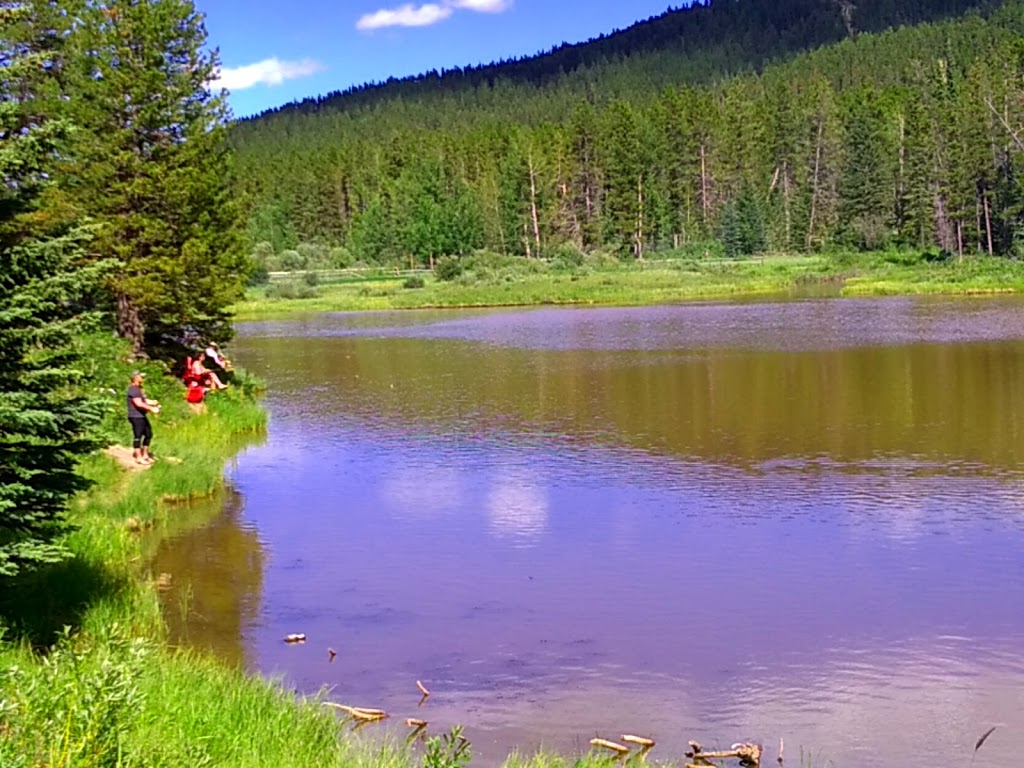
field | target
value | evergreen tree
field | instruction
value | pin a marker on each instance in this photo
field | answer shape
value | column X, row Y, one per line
column 150, row 164
column 45, row 423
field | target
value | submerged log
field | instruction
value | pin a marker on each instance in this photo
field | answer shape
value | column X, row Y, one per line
column 359, row 713
column 613, row 746
column 639, row 740
column 747, row 754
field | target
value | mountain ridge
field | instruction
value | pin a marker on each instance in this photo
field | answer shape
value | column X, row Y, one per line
column 753, row 32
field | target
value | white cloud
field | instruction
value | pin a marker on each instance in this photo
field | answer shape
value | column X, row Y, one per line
column 410, row 15
column 268, row 72
column 483, row 6
column 407, row 15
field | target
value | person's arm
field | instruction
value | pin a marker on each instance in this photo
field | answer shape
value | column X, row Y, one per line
column 146, row 405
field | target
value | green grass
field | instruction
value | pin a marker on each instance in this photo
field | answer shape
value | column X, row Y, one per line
column 602, row 281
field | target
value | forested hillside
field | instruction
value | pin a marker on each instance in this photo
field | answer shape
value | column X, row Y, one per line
column 704, row 40
column 902, row 137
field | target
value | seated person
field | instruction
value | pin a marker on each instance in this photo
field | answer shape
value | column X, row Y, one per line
column 213, row 353
column 204, row 375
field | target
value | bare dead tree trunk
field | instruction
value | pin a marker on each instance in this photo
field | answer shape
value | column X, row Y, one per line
column 533, row 205
column 526, row 240
column 943, row 226
column 638, row 249
column 786, row 204
column 988, row 225
column 901, row 185
column 815, row 183
column 960, row 241
column 704, row 184
column 497, row 216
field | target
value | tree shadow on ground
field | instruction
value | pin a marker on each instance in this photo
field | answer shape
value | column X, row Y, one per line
column 35, row 608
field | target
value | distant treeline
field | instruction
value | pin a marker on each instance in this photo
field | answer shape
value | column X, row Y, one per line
column 904, row 137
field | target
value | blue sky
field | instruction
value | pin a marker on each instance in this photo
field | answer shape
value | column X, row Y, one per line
column 274, row 52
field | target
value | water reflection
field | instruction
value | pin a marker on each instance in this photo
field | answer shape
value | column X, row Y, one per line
column 216, row 577
column 714, row 522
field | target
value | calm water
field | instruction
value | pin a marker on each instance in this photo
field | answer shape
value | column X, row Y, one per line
column 715, row 522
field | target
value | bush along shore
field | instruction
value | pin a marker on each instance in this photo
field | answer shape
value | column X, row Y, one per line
column 490, row 280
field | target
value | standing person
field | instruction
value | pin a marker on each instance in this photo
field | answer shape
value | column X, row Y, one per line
column 138, row 406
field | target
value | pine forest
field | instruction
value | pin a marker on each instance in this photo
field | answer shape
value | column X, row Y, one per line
column 728, row 128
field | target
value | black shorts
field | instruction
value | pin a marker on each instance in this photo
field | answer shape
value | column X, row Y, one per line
column 142, row 432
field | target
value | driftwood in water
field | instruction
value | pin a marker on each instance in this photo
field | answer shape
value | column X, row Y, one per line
column 423, row 690
column 747, row 754
column 613, row 746
column 639, row 740
column 359, row 713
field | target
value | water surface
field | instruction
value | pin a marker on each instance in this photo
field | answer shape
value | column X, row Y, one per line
column 718, row 522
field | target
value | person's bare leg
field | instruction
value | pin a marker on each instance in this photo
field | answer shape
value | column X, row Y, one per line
column 215, row 380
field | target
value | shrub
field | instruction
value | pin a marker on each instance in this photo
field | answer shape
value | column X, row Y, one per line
column 567, row 257
column 312, row 279
column 291, row 289
column 448, row 268
column 314, row 256
column 340, row 257
column 290, row 261
column 415, row 281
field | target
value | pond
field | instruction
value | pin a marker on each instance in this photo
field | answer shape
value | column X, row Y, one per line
column 723, row 522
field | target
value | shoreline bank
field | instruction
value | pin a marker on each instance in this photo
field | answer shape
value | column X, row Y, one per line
column 507, row 282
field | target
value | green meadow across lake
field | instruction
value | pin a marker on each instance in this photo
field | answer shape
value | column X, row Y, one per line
column 489, row 281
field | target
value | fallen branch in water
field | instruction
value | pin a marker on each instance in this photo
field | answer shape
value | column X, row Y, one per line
column 423, row 690
column 359, row 713
column 747, row 754
column 639, row 740
column 613, row 746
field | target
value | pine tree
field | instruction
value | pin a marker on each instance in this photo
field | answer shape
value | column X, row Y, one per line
column 150, row 164
column 45, row 424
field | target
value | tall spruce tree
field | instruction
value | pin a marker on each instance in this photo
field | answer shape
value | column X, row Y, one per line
column 45, row 423
column 151, row 165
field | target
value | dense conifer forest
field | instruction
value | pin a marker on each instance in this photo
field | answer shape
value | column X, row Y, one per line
column 736, row 125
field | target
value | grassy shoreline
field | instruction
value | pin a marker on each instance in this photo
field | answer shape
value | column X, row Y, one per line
column 604, row 282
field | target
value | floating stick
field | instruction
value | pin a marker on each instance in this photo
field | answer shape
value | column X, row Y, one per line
column 640, row 740
column 412, row 722
column 331, row 653
column 613, row 746
column 359, row 713
column 297, row 637
column 423, row 690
